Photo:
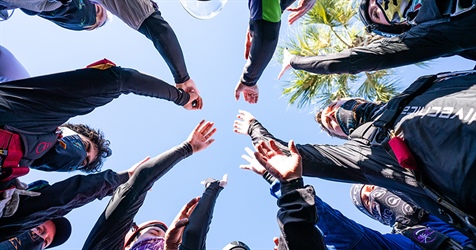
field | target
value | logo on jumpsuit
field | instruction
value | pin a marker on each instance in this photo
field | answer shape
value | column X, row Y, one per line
column 424, row 235
column 42, row 146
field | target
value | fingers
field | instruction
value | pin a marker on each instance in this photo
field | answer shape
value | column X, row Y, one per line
column 237, row 95
column 243, row 114
column 224, row 180
column 205, row 129
column 276, row 242
column 206, row 133
column 262, row 160
column 273, row 146
column 238, row 91
column 281, row 73
column 303, row 7
column 199, row 125
column 249, row 159
column 284, row 68
column 238, row 127
column 188, row 208
column 181, row 223
column 195, row 102
column 210, row 141
column 292, row 147
column 246, row 167
column 249, row 151
column 198, row 103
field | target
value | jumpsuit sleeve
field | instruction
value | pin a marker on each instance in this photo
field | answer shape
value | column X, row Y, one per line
column 422, row 42
column 10, row 68
column 58, row 200
column 341, row 232
column 195, row 233
column 443, row 227
column 264, row 41
column 327, row 162
column 297, row 216
column 264, row 24
column 157, row 30
column 41, row 104
column 344, row 233
column 129, row 197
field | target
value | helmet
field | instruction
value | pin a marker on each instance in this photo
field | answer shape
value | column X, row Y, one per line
column 236, row 245
column 379, row 29
column 203, row 9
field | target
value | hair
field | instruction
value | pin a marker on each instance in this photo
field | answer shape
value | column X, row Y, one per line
column 318, row 115
column 318, row 119
column 96, row 137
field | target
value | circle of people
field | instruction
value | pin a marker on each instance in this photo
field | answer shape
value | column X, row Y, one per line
column 405, row 175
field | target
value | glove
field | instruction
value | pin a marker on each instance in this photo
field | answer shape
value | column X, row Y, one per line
column 222, row 183
column 10, row 198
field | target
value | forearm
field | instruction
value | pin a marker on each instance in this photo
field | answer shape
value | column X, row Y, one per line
column 148, row 173
column 157, row 30
column 414, row 46
column 194, row 235
column 258, row 133
column 297, row 216
column 265, row 36
column 337, row 163
column 58, row 200
column 129, row 197
column 142, row 84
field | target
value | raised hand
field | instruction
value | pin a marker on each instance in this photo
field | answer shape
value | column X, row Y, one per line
column 253, row 164
column 200, row 138
column 303, row 7
column 287, row 56
column 222, row 183
column 281, row 166
column 242, row 125
column 250, row 93
column 173, row 236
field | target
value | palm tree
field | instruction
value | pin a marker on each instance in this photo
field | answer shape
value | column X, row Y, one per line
column 332, row 26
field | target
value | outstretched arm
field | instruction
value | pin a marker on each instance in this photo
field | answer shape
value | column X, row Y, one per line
column 165, row 41
column 50, row 100
column 341, row 232
column 297, row 214
column 62, row 197
column 128, row 198
column 261, row 42
column 247, row 124
column 195, row 233
column 422, row 42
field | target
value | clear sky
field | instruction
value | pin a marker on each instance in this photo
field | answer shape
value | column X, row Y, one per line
column 140, row 126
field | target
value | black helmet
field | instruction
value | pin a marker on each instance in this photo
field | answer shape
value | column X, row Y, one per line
column 379, row 29
column 236, row 245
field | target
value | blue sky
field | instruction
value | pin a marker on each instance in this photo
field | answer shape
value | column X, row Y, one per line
column 141, row 126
